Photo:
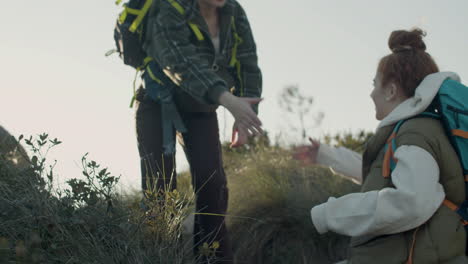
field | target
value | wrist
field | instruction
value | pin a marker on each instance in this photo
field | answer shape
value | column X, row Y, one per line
column 225, row 98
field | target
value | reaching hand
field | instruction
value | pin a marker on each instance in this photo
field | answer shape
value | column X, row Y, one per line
column 241, row 108
column 307, row 154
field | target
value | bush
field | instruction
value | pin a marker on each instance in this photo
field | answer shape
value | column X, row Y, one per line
column 87, row 223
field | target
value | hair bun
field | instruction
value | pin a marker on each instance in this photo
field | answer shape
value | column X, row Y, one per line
column 403, row 40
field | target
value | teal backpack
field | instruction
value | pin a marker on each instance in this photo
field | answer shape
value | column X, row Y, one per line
column 451, row 107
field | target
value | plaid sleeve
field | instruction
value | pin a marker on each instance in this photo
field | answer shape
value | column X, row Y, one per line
column 171, row 43
column 247, row 55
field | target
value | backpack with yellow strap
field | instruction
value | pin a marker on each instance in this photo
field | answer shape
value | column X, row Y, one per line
column 129, row 35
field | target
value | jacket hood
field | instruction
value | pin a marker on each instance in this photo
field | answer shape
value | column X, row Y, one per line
column 424, row 94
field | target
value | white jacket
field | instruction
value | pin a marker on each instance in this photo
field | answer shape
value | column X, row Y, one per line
column 417, row 193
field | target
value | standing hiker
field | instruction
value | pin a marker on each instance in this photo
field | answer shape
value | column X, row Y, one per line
column 205, row 52
column 411, row 175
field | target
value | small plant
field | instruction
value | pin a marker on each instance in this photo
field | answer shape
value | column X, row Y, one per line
column 208, row 251
column 40, row 147
column 99, row 185
column 298, row 106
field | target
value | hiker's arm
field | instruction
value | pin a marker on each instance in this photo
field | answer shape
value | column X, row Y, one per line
column 415, row 198
column 341, row 160
column 170, row 44
column 247, row 55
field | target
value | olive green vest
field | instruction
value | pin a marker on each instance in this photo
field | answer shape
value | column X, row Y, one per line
column 442, row 238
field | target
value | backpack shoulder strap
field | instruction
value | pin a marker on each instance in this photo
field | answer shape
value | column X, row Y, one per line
column 139, row 13
column 390, row 161
column 234, row 61
column 193, row 26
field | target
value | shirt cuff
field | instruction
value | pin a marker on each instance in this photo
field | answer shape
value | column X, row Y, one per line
column 215, row 92
column 319, row 219
column 325, row 155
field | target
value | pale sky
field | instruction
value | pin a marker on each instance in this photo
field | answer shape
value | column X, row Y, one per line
column 55, row 78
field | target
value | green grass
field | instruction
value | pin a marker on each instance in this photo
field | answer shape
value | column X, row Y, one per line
column 86, row 223
column 269, row 213
column 270, row 197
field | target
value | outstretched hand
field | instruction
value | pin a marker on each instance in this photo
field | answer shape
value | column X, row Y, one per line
column 307, row 154
column 241, row 108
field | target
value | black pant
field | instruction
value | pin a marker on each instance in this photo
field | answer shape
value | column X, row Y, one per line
column 203, row 151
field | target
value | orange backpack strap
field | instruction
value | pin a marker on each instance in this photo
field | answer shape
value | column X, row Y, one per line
column 389, row 162
column 455, row 208
column 389, row 159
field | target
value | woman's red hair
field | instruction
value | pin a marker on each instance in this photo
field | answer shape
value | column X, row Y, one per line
column 409, row 63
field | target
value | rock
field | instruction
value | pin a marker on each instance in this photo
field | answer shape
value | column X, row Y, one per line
column 12, row 150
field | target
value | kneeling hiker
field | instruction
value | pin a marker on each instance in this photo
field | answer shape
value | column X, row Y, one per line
column 408, row 210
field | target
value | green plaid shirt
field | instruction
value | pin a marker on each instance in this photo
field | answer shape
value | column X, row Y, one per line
column 192, row 64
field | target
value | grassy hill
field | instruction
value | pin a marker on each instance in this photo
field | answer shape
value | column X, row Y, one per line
column 268, row 218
